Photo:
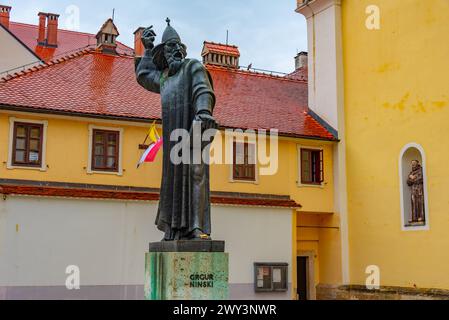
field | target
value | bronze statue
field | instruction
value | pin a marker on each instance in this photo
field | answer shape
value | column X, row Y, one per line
column 188, row 98
column 416, row 182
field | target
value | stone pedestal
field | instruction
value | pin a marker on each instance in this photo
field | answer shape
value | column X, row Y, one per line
column 187, row 270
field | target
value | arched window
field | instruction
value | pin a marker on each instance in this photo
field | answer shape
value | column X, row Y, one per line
column 413, row 184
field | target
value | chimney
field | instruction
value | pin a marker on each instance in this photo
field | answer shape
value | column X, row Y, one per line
column 223, row 55
column 42, row 24
column 4, row 15
column 52, row 29
column 139, row 49
column 107, row 38
column 301, row 60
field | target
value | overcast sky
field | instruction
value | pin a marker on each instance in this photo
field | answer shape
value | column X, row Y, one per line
column 267, row 32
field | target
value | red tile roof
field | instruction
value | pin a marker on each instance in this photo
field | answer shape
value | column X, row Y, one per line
column 221, row 48
column 299, row 74
column 85, row 83
column 68, row 41
column 265, row 102
column 93, row 84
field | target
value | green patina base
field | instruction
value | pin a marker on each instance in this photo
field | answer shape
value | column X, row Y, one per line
column 186, row 276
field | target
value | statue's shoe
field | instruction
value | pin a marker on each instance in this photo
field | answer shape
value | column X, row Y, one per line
column 198, row 235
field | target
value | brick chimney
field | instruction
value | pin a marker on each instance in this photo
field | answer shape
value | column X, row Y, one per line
column 301, row 60
column 52, row 29
column 48, row 29
column 4, row 15
column 221, row 55
column 139, row 49
column 42, row 27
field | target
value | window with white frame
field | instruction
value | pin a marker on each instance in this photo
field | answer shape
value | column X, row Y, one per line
column 27, row 144
column 311, row 164
column 105, row 150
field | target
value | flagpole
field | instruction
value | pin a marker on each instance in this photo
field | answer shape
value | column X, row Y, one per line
column 146, row 139
column 148, row 134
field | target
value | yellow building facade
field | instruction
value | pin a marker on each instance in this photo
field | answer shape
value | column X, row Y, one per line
column 387, row 81
column 67, row 146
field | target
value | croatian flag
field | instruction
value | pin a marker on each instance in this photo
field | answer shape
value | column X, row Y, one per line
column 151, row 153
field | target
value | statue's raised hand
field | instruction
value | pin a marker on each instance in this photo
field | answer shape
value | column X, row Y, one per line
column 148, row 37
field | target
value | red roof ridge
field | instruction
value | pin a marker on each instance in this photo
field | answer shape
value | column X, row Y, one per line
column 29, row 25
column 58, row 60
column 59, row 29
column 117, row 55
column 255, row 73
column 46, row 65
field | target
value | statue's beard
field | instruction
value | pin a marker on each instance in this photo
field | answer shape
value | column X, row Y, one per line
column 175, row 62
column 174, row 66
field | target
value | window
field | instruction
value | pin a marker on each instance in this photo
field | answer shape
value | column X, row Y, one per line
column 105, row 150
column 244, row 165
column 312, row 167
column 27, row 144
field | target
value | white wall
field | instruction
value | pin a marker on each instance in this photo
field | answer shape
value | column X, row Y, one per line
column 325, row 59
column 253, row 235
column 13, row 54
column 326, row 96
column 108, row 239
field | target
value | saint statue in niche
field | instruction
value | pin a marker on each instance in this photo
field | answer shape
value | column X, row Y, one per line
column 416, row 183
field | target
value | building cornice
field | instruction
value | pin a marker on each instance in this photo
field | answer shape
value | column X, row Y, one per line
column 125, row 193
column 314, row 7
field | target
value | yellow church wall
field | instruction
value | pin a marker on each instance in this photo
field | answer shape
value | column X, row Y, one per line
column 396, row 93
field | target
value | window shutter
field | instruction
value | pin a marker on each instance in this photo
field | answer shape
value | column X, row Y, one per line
column 252, row 161
column 305, row 166
column 251, row 154
column 239, row 153
column 321, row 166
column 244, row 157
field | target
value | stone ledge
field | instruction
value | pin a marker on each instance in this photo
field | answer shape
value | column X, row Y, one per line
column 188, row 246
column 401, row 291
column 359, row 292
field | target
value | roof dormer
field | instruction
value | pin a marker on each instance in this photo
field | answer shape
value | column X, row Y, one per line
column 107, row 37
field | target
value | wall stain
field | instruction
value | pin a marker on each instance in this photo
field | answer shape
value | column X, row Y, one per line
column 420, row 106
column 399, row 105
column 386, row 67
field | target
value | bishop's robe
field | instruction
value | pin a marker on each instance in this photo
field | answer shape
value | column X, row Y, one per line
column 185, row 193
